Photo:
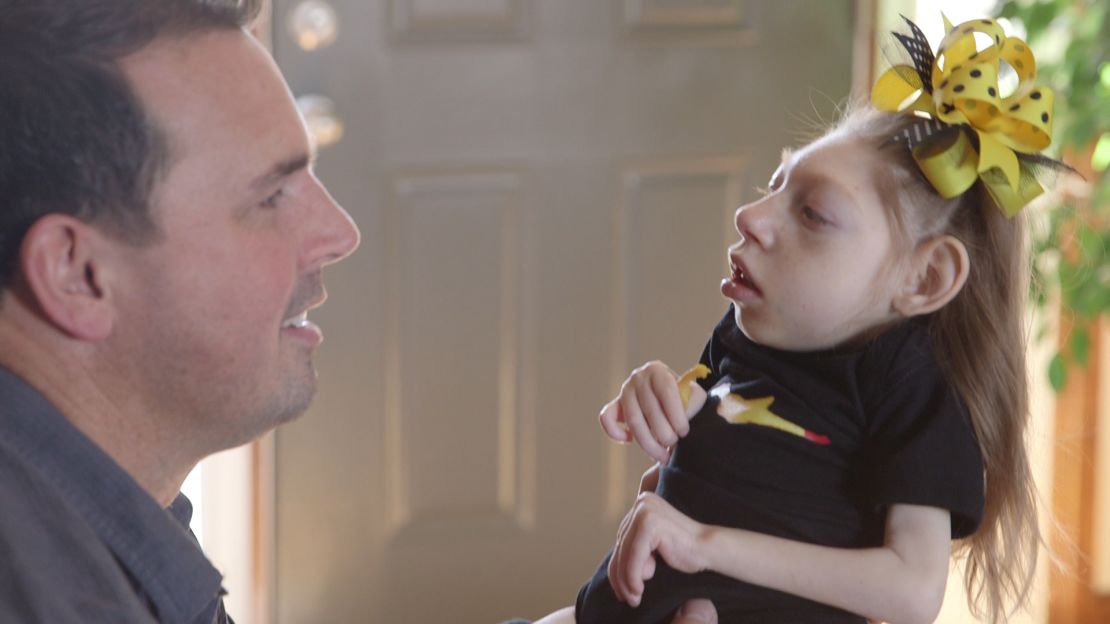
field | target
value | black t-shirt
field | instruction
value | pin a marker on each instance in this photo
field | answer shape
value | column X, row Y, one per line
column 828, row 441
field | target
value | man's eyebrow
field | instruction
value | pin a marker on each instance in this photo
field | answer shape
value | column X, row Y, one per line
column 283, row 169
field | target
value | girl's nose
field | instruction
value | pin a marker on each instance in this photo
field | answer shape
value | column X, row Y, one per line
column 755, row 223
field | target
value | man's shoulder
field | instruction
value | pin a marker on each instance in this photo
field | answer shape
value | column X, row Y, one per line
column 53, row 567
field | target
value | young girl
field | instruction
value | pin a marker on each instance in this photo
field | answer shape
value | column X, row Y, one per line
column 865, row 402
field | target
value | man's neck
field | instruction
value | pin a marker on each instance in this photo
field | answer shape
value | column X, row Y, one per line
column 97, row 403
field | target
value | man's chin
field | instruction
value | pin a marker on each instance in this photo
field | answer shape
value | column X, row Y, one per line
column 297, row 401
column 290, row 408
column 287, row 403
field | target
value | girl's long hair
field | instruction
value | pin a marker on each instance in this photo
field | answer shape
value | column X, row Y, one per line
column 979, row 339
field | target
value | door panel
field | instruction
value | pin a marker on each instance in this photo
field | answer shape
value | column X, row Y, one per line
column 545, row 190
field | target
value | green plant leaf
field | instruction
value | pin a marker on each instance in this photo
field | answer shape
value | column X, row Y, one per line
column 1087, row 300
column 1080, row 345
column 1068, row 277
column 1101, row 196
column 1072, row 42
column 1083, row 127
column 1057, row 372
column 1101, row 156
column 1037, row 18
column 1091, row 243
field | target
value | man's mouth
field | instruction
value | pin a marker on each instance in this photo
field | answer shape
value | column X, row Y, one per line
column 304, row 300
column 299, row 321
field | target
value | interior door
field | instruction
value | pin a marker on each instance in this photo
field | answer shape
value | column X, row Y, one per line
column 545, row 190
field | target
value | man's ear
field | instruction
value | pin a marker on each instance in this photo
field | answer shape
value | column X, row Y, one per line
column 62, row 265
column 939, row 270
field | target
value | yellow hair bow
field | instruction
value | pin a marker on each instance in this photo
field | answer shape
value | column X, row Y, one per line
column 959, row 87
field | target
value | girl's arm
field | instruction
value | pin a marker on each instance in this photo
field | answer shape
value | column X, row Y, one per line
column 901, row 581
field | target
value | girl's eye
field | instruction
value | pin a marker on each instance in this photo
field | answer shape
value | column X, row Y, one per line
column 272, row 200
column 813, row 216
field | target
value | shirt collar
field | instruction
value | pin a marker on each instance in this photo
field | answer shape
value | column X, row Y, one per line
column 152, row 544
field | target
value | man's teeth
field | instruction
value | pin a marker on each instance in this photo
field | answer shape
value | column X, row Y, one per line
column 297, row 321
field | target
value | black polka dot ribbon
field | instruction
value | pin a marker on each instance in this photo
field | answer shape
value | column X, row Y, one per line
column 961, row 88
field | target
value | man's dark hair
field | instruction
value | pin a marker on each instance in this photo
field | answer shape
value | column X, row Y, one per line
column 74, row 138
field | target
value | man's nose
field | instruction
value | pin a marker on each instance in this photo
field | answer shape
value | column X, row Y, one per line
column 334, row 234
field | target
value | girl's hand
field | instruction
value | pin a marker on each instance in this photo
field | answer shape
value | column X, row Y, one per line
column 649, row 481
column 649, row 410
column 653, row 527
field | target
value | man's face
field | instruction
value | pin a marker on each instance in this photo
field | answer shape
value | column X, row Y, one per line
column 209, row 321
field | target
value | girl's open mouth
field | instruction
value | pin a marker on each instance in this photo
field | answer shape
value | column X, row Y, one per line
column 740, row 276
column 740, row 286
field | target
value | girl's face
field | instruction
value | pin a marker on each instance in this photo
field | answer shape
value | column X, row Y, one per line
column 816, row 265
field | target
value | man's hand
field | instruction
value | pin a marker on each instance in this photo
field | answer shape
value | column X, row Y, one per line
column 696, row 611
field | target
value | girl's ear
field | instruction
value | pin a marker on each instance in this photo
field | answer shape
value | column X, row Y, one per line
column 61, row 261
column 939, row 270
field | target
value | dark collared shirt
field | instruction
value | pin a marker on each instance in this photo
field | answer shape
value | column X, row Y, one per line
column 80, row 541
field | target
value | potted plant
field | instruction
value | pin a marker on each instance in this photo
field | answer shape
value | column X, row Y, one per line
column 1071, row 251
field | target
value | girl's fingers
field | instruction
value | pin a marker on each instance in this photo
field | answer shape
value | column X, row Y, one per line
column 624, row 573
column 649, row 569
column 636, row 551
column 611, row 418
column 651, row 531
column 658, row 422
column 665, row 390
column 698, row 395
column 635, row 420
column 616, row 579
